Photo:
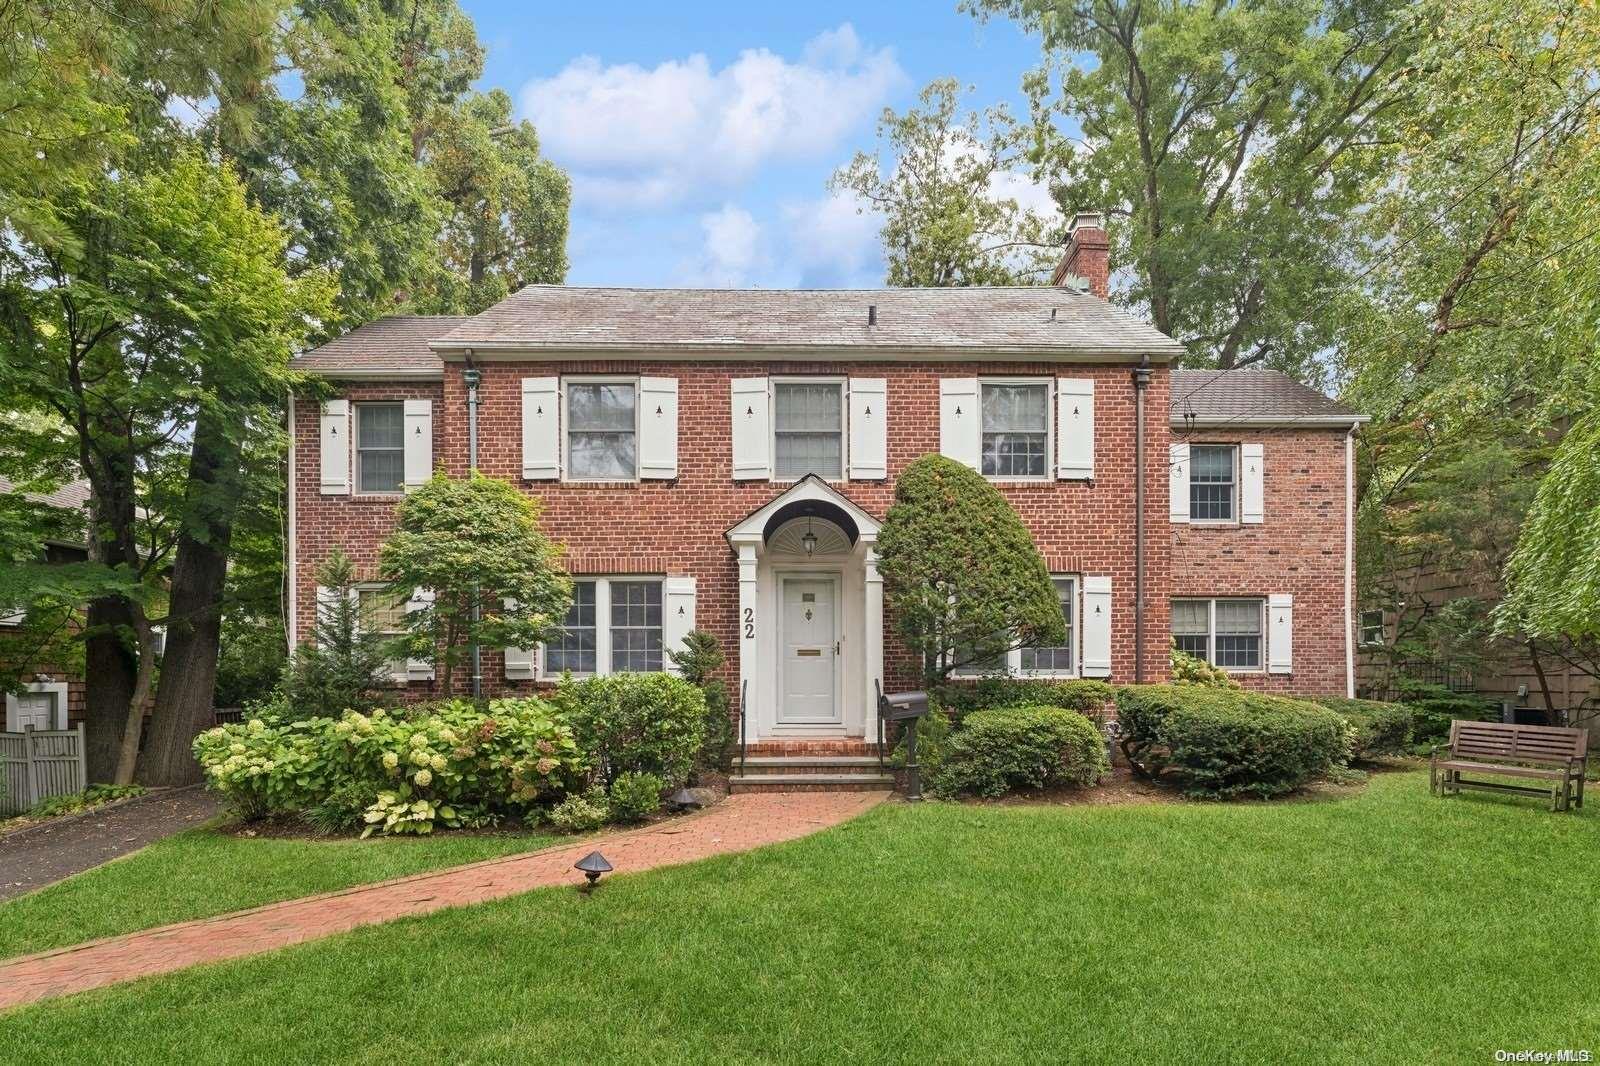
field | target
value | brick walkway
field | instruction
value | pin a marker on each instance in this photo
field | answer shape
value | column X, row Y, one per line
column 740, row 823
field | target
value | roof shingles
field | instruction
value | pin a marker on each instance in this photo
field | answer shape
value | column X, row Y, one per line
column 1215, row 397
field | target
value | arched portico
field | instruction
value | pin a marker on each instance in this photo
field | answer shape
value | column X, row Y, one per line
column 810, row 614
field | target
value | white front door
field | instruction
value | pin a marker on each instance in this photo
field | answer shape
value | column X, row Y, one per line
column 36, row 709
column 809, row 653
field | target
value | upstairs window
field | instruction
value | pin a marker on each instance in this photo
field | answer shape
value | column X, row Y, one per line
column 1225, row 633
column 602, row 431
column 1213, row 470
column 1016, row 429
column 808, row 429
column 1372, row 631
column 380, row 447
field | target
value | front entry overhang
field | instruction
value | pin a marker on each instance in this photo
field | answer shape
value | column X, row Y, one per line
column 810, row 497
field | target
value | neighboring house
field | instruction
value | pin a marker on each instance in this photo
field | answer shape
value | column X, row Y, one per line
column 51, row 697
column 723, row 459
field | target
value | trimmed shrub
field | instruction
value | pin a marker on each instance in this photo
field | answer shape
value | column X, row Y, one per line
column 581, row 813
column 1380, row 728
column 998, row 751
column 452, row 764
column 699, row 663
column 1192, row 670
column 1225, row 742
column 992, row 693
column 1435, row 706
column 639, row 723
column 635, row 796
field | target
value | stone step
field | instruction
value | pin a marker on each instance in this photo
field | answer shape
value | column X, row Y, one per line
column 812, row 783
column 766, row 765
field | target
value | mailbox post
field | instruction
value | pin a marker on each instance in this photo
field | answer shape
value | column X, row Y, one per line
column 907, row 707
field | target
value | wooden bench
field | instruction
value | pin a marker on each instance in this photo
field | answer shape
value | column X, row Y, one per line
column 1560, row 756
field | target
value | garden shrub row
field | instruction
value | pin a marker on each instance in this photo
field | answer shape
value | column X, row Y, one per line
column 1220, row 743
column 1380, row 728
column 612, row 747
column 962, row 698
column 998, row 751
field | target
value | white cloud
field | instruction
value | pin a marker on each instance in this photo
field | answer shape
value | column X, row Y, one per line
column 732, row 246
column 642, row 137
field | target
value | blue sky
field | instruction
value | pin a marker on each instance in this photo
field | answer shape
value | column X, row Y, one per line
column 700, row 137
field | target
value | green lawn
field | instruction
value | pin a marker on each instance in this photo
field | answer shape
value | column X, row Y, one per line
column 1387, row 926
column 203, row 872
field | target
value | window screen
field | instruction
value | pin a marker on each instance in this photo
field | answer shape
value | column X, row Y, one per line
column 1238, row 634
column 635, row 625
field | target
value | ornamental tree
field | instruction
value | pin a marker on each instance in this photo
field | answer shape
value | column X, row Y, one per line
column 475, row 543
column 961, row 572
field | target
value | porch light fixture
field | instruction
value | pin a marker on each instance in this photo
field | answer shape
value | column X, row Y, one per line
column 809, row 541
column 592, row 866
column 684, row 800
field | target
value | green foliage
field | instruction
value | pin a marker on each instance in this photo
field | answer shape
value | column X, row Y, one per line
column 581, row 813
column 1435, row 706
column 635, row 796
column 1192, row 670
column 475, row 543
column 990, row 693
column 1000, row 751
column 962, row 574
column 251, row 661
column 933, row 730
column 946, row 221
column 1554, row 575
column 344, row 665
column 699, row 662
column 1380, row 728
column 91, row 797
column 1221, row 743
column 639, row 723
column 452, row 764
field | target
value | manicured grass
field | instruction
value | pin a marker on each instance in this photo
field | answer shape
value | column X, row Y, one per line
column 204, row 872
column 1388, row 926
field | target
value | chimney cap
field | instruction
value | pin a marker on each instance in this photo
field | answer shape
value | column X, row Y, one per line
column 1087, row 220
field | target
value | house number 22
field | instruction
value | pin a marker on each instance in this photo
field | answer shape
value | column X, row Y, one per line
column 749, row 621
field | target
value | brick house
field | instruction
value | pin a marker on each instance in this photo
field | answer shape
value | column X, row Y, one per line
column 723, row 459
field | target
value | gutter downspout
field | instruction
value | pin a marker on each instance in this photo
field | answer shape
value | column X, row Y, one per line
column 471, row 376
column 1141, row 383
column 1349, row 561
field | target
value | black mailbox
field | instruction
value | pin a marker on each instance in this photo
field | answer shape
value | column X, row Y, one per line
column 904, row 707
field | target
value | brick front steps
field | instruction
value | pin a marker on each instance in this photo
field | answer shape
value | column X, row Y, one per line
column 778, row 767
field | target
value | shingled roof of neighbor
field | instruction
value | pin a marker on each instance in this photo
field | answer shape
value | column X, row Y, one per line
column 390, row 347
column 1038, row 322
column 1252, row 397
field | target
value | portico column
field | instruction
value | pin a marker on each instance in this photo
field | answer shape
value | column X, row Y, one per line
column 874, row 640
column 749, row 687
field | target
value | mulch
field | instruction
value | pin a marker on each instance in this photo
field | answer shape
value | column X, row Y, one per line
column 50, row 851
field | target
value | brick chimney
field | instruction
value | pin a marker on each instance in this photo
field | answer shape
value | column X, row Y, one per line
column 1087, row 252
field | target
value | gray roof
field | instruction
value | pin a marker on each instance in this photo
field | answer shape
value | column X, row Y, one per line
column 1252, row 397
column 1039, row 322
column 391, row 347
column 74, row 495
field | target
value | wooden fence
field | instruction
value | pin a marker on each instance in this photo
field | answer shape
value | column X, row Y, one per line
column 37, row 764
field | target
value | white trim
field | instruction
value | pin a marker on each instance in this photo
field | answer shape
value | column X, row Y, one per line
column 1049, row 474
column 1349, row 560
column 1211, row 630
column 842, row 383
column 1236, row 496
column 58, row 689
column 292, row 628
column 565, row 429
column 807, row 488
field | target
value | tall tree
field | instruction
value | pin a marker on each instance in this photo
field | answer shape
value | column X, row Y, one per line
column 1229, row 145
column 948, row 198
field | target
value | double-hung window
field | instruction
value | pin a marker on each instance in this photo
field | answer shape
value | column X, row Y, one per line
column 807, row 429
column 1224, row 632
column 380, row 447
column 1058, row 659
column 381, row 613
column 1213, row 482
column 602, row 430
column 613, row 626
column 1016, row 429
column 1372, row 627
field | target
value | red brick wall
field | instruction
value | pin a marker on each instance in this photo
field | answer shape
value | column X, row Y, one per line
column 1298, row 549
column 676, row 527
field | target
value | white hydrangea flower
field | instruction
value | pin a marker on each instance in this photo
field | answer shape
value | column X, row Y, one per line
column 257, row 726
column 419, row 740
column 423, row 778
column 390, row 760
column 439, row 762
column 421, row 756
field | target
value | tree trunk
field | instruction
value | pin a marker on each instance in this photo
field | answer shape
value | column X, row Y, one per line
column 194, row 622
column 133, row 727
column 111, row 671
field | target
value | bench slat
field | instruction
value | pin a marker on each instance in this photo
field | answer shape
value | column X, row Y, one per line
column 1552, row 772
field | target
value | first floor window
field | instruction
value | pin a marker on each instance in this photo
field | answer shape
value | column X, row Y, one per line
column 808, row 429
column 380, row 447
column 1372, row 627
column 602, row 431
column 1212, row 481
column 1016, row 429
column 1223, row 632
column 381, row 613
column 1059, row 659
column 613, row 626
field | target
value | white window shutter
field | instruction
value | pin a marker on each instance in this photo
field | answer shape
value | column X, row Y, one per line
column 519, row 661
column 658, row 428
column 1178, row 469
column 1096, row 627
column 419, row 669
column 677, row 616
column 1252, row 484
column 541, row 428
column 869, row 429
column 752, row 430
column 960, row 437
column 1075, row 429
column 327, row 598
column 419, row 443
column 1280, row 633
column 335, row 447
